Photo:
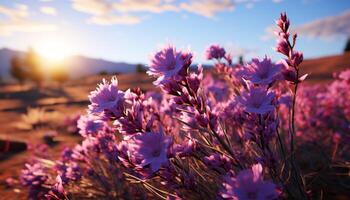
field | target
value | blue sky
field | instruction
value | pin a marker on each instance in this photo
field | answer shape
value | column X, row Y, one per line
column 132, row 29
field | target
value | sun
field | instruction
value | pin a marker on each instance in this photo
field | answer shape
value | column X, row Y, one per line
column 54, row 49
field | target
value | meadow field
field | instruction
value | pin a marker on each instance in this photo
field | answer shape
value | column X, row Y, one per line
column 113, row 113
column 59, row 104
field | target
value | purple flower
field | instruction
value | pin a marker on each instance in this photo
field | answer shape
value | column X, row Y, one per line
column 297, row 58
column 214, row 51
column 194, row 79
column 192, row 119
column 168, row 63
column 80, row 151
column 150, row 148
column 228, row 58
column 186, row 148
column 57, row 190
column 34, row 177
column 263, row 72
column 345, row 75
column 59, row 185
column 69, row 171
column 107, row 99
column 248, row 185
column 286, row 100
column 282, row 46
column 39, row 150
column 218, row 162
column 108, row 145
column 89, row 125
column 257, row 100
column 218, row 90
column 10, row 182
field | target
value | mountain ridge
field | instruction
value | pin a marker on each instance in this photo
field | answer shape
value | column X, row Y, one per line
column 321, row 68
column 77, row 65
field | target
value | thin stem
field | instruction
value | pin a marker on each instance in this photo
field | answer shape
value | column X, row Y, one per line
column 281, row 144
column 292, row 142
column 293, row 116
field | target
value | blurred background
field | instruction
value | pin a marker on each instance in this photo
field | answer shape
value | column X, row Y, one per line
column 75, row 38
column 54, row 52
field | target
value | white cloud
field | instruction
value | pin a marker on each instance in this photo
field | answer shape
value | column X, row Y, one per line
column 103, row 12
column 153, row 6
column 208, row 8
column 8, row 28
column 324, row 28
column 107, row 12
column 328, row 27
column 269, row 33
column 20, row 11
column 94, row 7
column 237, row 50
column 249, row 5
column 17, row 20
column 114, row 19
column 48, row 10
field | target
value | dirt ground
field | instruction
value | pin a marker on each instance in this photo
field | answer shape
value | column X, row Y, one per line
column 59, row 103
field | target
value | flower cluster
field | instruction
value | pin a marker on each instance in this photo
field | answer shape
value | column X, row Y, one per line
column 35, row 178
column 248, row 184
column 215, row 51
column 168, row 64
column 106, row 99
column 237, row 132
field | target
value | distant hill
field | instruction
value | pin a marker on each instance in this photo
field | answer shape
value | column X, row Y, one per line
column 81, row 66
column 78, row 66
column 319, row 69
column 323, row 68
column 5, row 60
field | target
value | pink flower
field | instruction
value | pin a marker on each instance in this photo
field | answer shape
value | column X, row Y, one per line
column 150, row 149
column 283, row 23
column 228, row 58
column 89, row 125
column 248, row 185
column 218, row 161
column 57, row 190
column 10, row 182
column 59, row 185
column 282, row 46
column 263, row 72
column 345, row 75
column 107, row 99
column 214, row 51
column 257, row 100
column 168, row 63
column 297, row 58
column 33, row 174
